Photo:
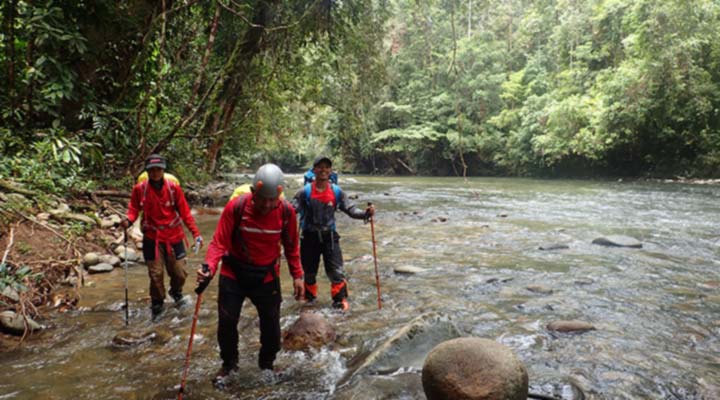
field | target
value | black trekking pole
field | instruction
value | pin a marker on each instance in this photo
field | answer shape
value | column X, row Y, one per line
column 125, row 262
column 199, row 290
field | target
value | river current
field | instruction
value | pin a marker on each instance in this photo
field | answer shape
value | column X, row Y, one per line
column 475, row 246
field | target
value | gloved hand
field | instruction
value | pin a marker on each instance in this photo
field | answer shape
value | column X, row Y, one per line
column 369, row 212
column 203, row 278
column 125, row 223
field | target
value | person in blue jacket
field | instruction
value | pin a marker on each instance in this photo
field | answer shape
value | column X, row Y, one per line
column 316, row 203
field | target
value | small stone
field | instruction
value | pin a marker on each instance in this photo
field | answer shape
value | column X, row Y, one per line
column 14, row 323
column 10, row 293
column 570, row 326
column 43, row 217
column 554, row 246
column 539, row 289
column 408, row 269
column 109, row 259
column 90, row 259
column 618, row 241
column 100, row 268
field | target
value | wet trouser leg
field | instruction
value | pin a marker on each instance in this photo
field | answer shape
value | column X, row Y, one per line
column 175, row 265
column 333, row 261
column 267, row 303
column 310, row 252
column 155, row 267
column 266, row 299
column 230, row 301
column 172, row 258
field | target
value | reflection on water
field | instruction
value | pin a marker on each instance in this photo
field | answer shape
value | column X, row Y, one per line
column 656, row 309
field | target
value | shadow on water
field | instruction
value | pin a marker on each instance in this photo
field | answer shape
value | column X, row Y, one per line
column 478, row 270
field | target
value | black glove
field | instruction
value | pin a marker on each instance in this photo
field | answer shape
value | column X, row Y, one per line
column 203, row 283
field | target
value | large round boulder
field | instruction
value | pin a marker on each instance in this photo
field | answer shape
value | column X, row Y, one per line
column 474, row 368
column 310, row 330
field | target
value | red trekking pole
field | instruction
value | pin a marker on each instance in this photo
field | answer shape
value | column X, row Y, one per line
column 377, row 277
column 199, row 291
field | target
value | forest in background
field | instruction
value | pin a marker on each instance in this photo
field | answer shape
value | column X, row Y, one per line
column 446, row 87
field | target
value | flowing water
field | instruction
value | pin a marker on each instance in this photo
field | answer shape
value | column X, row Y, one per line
column 656, row 309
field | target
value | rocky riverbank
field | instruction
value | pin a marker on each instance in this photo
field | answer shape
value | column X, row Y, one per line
column 50, row 244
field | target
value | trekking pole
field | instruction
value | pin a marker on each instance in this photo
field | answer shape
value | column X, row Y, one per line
column 198, row 290
column 377, row 277
column 125, row 262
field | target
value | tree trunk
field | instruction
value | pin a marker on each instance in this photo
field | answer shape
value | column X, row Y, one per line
column 10, row 29
column 230, row 89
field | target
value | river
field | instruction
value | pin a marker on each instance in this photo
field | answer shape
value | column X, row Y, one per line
column 656, row 309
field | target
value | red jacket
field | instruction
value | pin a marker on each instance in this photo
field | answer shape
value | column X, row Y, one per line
column 261, row 235
column 163, row 212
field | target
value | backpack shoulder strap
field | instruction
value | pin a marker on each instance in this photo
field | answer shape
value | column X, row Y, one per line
column 240, row 208
column 338, row 194
column 238, row 211
column 308, row 192
column 143, row 187
column 171, row 188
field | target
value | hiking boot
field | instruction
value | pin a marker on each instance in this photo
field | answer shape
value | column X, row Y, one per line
column 178, row 298
column 271, row 376
column 157, row 310
column 221, row 377
column 341, row 305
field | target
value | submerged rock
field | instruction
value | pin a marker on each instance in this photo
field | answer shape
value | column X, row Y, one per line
column 132, row 255
column 108, row 259
column 406, row 348
column 570, row 326
column 134, row 338
column 539, row 289
column 14, row 323
column 407, row 269
column 553, row 246
column 100, row 268
column 474, row 368
column 618, row 241
column 310, row 330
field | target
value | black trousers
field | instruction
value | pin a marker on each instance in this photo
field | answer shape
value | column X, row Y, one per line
column 325, row 244
column 267, row 299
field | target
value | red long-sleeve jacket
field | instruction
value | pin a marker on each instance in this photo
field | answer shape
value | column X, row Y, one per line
column 260, row 234
column 163, row 212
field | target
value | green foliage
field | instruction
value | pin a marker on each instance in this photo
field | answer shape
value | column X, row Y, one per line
column 17, row 277
column 508, row 87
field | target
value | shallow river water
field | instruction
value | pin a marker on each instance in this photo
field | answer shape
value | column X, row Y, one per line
column 656, row 309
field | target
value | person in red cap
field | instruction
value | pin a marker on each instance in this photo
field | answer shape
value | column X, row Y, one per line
column 316, row 204
column 247, row 240
column 164, row 209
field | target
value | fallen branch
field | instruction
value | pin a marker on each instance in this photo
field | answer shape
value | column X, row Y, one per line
column 10, row 243
column 111, row 193
column 58, row 234
column 11, row 187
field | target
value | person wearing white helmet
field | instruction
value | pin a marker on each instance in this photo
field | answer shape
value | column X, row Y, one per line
column 247, row 240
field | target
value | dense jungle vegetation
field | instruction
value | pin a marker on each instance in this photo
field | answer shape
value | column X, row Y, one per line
column 446, row 87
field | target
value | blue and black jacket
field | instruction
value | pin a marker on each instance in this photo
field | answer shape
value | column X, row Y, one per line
column 316, row 216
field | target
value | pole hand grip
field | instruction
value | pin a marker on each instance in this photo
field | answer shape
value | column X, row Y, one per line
column 205, row 282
